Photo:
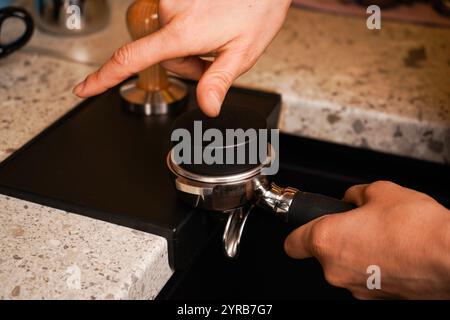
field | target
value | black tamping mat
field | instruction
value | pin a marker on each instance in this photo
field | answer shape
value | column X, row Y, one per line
column 103, row 162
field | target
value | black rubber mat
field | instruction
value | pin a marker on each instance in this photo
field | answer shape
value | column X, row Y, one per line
column 103, row 162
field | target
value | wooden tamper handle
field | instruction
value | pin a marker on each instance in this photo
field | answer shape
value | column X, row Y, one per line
column 154, row 92
column 142, row 20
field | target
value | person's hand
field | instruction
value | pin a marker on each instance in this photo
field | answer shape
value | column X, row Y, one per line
column 237, row 31
column 403, row 232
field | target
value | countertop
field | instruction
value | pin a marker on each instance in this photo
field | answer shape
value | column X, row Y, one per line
column 49, row 254
column 385, row 90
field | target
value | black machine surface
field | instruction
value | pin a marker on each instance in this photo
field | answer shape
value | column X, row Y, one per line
column 102, row 162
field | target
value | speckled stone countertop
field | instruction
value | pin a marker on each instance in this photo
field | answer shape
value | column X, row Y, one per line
column 50, row 254
column 385, row 90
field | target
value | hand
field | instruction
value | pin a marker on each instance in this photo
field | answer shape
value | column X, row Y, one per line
column 237, row 31
column 404, row 232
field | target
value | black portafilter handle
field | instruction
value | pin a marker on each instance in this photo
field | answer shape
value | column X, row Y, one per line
column 298, row 208
column 307, row 207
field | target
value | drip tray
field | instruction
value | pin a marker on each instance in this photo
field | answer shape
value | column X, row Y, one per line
column 103, row 162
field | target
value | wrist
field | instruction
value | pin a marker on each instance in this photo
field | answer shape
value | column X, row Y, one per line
column 440, row 258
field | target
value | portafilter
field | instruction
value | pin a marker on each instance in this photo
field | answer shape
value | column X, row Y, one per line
column 235, row 189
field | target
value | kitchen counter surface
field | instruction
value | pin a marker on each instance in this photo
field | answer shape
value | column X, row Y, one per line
column 338, row 83
column 49, row 254
column 386, row 90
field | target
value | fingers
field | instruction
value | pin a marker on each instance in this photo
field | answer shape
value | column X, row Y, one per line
column 131, row 59
column 309, row 239
column 316, row 237
column 190, row 67
column 356, row 194
column 216, row 82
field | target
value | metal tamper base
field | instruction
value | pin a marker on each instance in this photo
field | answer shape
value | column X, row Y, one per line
column 170, row 100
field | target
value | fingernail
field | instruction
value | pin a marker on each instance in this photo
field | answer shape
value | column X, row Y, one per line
column 79, row 88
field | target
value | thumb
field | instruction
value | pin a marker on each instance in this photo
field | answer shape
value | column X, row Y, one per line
column 217, row 80
column 298, row 244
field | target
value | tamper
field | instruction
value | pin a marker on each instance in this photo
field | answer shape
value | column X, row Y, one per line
column 153, row 92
